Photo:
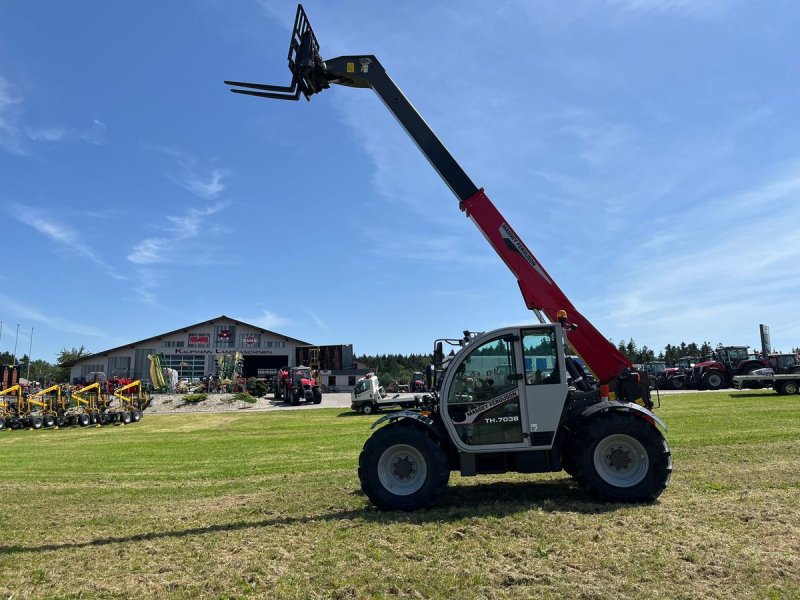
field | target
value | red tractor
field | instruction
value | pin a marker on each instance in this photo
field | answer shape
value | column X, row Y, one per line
column 677, row 377
column 725, row 363
column 295, row 383
column 417, row 382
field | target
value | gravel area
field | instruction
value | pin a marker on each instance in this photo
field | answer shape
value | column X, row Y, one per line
column 173, row 403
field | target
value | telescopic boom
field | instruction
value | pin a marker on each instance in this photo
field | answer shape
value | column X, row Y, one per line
column 311, row 74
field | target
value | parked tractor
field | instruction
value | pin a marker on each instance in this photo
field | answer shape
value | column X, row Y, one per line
column 677, row 377
column 784, row 364
column 655, row 371
column 417, row 382
column 293, row 384
column 724, row 364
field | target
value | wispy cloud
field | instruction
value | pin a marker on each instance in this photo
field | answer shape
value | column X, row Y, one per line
column 267, row 320
column 678, row 7
column 18, row 136
column 29, row 313
column 194, row 175
column 61, row 233
column 320, row 323
column 182, row 228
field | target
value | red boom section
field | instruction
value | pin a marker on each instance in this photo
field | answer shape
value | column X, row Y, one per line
column 540, row 291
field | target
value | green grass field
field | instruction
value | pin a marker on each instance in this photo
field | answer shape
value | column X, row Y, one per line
column 269, row 505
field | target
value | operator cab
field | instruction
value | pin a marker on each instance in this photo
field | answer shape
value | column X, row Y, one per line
column 506, row 389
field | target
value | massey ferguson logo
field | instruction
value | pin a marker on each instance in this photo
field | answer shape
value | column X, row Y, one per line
column 476, row 413
column 515, row 245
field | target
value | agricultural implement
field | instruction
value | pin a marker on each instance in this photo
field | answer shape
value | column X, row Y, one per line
column 531, row 409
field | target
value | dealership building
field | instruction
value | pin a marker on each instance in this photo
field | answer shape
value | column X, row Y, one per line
column 193, row 351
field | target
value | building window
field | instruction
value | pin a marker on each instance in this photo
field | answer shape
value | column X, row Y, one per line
column 188, row 366
column 225, row 336
column 351, row 380
column 332, row 380
column 199, row 340
column 250, row 340
column 172, row 343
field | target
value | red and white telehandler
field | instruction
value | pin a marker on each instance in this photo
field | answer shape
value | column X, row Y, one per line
column 510, row 399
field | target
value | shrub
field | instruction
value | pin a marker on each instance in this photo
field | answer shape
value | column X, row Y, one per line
column 244, row 397
column 194, row 398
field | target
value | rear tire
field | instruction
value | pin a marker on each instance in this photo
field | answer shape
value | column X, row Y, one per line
column 83, row 419
column 37, row 422
column 622, row 458
column 136, row 415
column 403, row 467
column 125, row 418
column 317, row 397
column 49, row 420
column 788, row 387
column 367, row 408
column 295, row 397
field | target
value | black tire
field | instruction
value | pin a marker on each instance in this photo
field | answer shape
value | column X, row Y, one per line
column 94, row 417
column 83, row 419
column 676, row 383
column 403, row 467
column 37, row 422
column 278, row 392
column 788, row 387
column 60, row 421
column 136, row 415
column 368, row 408
column 622, row 458
column 295, row 396
column 49, row 420
column 713, row 380
column 317, row 397
column 125, row 418
column 102, row 418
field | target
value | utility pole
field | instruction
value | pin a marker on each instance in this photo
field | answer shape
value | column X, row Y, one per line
column 30, row 349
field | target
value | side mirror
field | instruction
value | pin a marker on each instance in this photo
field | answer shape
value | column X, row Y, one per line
column 430, row 373
column 438, row 355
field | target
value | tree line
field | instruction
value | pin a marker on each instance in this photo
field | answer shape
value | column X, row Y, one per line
column 41, row 370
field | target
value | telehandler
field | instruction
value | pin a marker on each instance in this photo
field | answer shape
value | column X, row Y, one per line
column 538, row 412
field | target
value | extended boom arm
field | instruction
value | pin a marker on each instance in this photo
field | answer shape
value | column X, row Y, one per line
column 310, row 74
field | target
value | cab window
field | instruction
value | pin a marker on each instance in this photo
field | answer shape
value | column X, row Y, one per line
column 483, row 401
column 541, row 357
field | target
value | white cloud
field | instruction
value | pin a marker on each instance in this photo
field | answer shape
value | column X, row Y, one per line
column 183, row 227
column 60, row 233
column 28, row 312
column 320, row 323
column 267, row 320
column 679, row 7
column 201, row 180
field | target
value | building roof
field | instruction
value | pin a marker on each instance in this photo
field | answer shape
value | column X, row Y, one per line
column 179, row 330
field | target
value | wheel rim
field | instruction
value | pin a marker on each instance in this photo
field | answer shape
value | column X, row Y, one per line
column 402, row 469
column 621, row 460
column 367, row 409
column 790, row 387
column 715, row 380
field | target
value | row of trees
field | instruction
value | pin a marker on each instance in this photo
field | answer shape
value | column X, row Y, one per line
column 669, row 354
column 396, row 367
column 41, row 370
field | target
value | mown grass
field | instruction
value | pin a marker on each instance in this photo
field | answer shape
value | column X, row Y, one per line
column 269, row 505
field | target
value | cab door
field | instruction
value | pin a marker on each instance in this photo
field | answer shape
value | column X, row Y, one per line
column 545, row 382
column 482, row 397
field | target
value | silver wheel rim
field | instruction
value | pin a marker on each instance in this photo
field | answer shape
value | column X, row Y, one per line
column 790, row 387
column 402, row 469
column 621, row 460
column 714, row 380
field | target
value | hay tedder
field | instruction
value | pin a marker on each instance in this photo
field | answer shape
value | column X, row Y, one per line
column 89, row 405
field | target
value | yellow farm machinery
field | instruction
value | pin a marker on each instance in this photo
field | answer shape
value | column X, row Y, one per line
column 89, row 405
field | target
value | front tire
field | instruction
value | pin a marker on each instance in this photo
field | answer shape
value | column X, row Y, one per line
column 714, row 380
column 622, row 458
column 367, row 408
column 676, row 383
column 403, row 467
column 317, row 397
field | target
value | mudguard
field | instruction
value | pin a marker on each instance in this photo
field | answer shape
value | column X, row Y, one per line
column 624, row 407
column 404, row 414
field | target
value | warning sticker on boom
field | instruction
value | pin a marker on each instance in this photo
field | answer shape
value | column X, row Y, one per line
column 515, row 245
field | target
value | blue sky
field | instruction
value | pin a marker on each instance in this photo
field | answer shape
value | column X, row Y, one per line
column 648, row 152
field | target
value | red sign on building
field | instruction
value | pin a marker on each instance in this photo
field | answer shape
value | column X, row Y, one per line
column 198, row 340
